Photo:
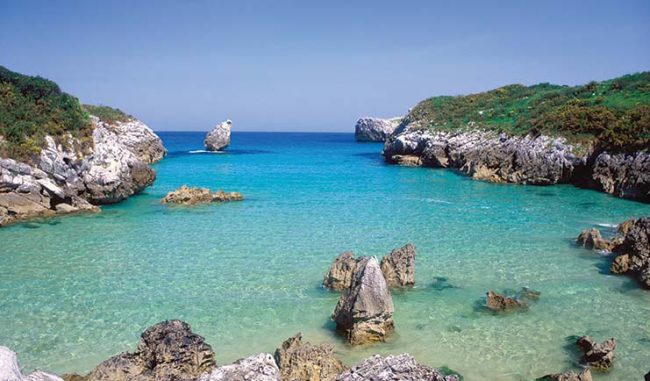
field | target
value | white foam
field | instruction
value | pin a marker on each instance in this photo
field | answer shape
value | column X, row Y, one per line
column 204, row 151
column 436, row 201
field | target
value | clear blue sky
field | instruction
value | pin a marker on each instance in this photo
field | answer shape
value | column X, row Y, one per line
column 299, row 65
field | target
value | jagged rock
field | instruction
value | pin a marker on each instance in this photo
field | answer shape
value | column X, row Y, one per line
column 139, row 139
column 591, row 239
column 497, row 302
column 634, row 251
column 219, row 137
column 305, row 362
column 365, row 311
column 167, row 351
column 403, row 367
column 583, row 375
column 624, row 175
column 192, row 196
column 407, row 160
column 255, row 368
column 340, row 274
column 398, row 267
column 597, row 355
column 375, row 129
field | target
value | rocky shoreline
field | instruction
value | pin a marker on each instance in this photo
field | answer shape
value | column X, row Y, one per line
column 65, row 179
column 535, row 160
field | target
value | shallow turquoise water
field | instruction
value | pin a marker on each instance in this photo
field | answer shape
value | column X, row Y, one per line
column 76, row 290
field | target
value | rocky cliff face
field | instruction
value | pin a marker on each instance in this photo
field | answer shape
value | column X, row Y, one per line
column 63, row 179
column 375, row 129
column 537, row 160
column 219, row 137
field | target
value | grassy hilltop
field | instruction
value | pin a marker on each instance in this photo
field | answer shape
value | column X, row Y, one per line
column 613, row 114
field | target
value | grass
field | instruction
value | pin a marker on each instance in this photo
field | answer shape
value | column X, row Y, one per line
column 108, row 114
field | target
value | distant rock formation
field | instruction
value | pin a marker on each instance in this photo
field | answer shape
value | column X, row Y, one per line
column 398, row 267
column 219, row 137
column 402, row 367
column 375, row 129
column 304, row 361
column 10, row 371
column 599, row 356
column 255, row 368
column 365, row 311
column 192, row 196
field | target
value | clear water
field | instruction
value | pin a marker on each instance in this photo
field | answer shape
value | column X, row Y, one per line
column 76, row 290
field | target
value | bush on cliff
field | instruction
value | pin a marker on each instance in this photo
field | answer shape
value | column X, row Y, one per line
column 108, row 114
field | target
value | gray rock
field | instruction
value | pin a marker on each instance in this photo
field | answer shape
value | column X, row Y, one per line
column 255, row 368
column 398, row 267
column 402, row 367
column 304, row 361
column 340, row 274
column 193, row 196
column 623, row 175
column 219, row 137
column 42, row 376
column 364, row 312
column 597, row 355
column 634, row 252
column 9, row 369
column 375, row 129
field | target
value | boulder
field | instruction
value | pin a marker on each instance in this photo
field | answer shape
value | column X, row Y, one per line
column 634, row 252
column 401, row 367
column 398, row 267
column 255, row 368
column 306, row 362
column 364, row 312
column 583, row 375
column 597, row 355
column 192, row 196
column 375, row 129
column 219, row 137
column 340, row 274
column 497, row 302
column 591, row 239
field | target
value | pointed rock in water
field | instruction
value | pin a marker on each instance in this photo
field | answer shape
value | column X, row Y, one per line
column 591, row 239
column 365, row 311
column 340, row 274
column 255, row 368
column 584, row 375
column 303, row 361
column 597, row 355
column 403, row 367
column 219, row 137
column 192, row 196
column 375, row 129
column 497, row 302
column 398, row 267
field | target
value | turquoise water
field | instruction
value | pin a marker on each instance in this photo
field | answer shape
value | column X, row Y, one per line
column 76, row 290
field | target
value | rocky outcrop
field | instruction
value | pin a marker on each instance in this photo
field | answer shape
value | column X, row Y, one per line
column 583, row 375
column 591, row 239
column 340, row 274
column 255, row 368
column 398, row 267
column 67, row 178
column 375, row 129
column 364, row 312
column 623, row 175
column 498, row 302
column 192, row 196
column 219, row 137
column 402, row 367
column 599, row 356
column 10, row 371
column 306, row 362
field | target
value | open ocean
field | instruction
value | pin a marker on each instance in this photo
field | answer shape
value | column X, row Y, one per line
column 247, row 275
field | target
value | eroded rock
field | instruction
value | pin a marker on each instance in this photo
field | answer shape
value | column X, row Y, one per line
column 340, row 274
column 398, row 266
column 402, row 367
column 592, row 239
column 498, row 302
column 219, row 137
column 192, row 196
column 375, row 129
column 306, row 362
column 255, row 368
column 597, row 355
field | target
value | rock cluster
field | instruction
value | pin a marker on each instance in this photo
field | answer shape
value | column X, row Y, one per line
column 10, row 371
column 402, row 367
column 364, row 312
column 65, row 178
column 304, row 361
column 597, row 355
column 192, row 196
column 375, row 129
column 219, row 137
column 583, row 375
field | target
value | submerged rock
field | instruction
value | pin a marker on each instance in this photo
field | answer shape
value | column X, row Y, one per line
column 255, row 368
column 340, row 274
column 583, row 375
column 219, row 137
column 398, row 267
column 365, row 311
column 192, row 196
column 403, row 367
column 597, row 355
column 497, row 302
column 306, row 362
column 375, row 129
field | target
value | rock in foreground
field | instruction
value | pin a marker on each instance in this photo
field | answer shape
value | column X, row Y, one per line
column 402, row 367
column 375, row 129
column 365, row 311
column 10, row 371
column 192, row 196
column 219, row 137
column 304, row 361
column 584, row 375
column 597, row 355
column 255, row 368
column 340, row 274
column 398, row 267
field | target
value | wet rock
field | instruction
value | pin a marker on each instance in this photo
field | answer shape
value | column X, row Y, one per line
column 624, row 175
column 402, row 367
column 192, row 196
column 340, row 274
column 591, row 239
column 305, row 362
column 375, row 129
column 597, row 355
column 407, row 160
column 219, row 137
column 255, row 368
column 634, row 252
column 497, row 302
column 583, row 375
column 398, row 267
column 365, row 311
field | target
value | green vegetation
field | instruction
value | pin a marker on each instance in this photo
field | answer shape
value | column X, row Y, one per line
column 33, row 107
column 613, row 114
column 108, row 114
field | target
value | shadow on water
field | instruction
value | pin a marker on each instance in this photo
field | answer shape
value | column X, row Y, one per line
column 441, row 283
column 372, row 156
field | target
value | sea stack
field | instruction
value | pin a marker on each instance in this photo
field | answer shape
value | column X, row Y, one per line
column 219, row 137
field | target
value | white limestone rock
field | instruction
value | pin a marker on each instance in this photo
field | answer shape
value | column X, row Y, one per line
column 219, row 137
column 375, row 129
column 255, row 368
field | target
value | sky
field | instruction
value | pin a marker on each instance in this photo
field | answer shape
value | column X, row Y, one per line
column 307, row 65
